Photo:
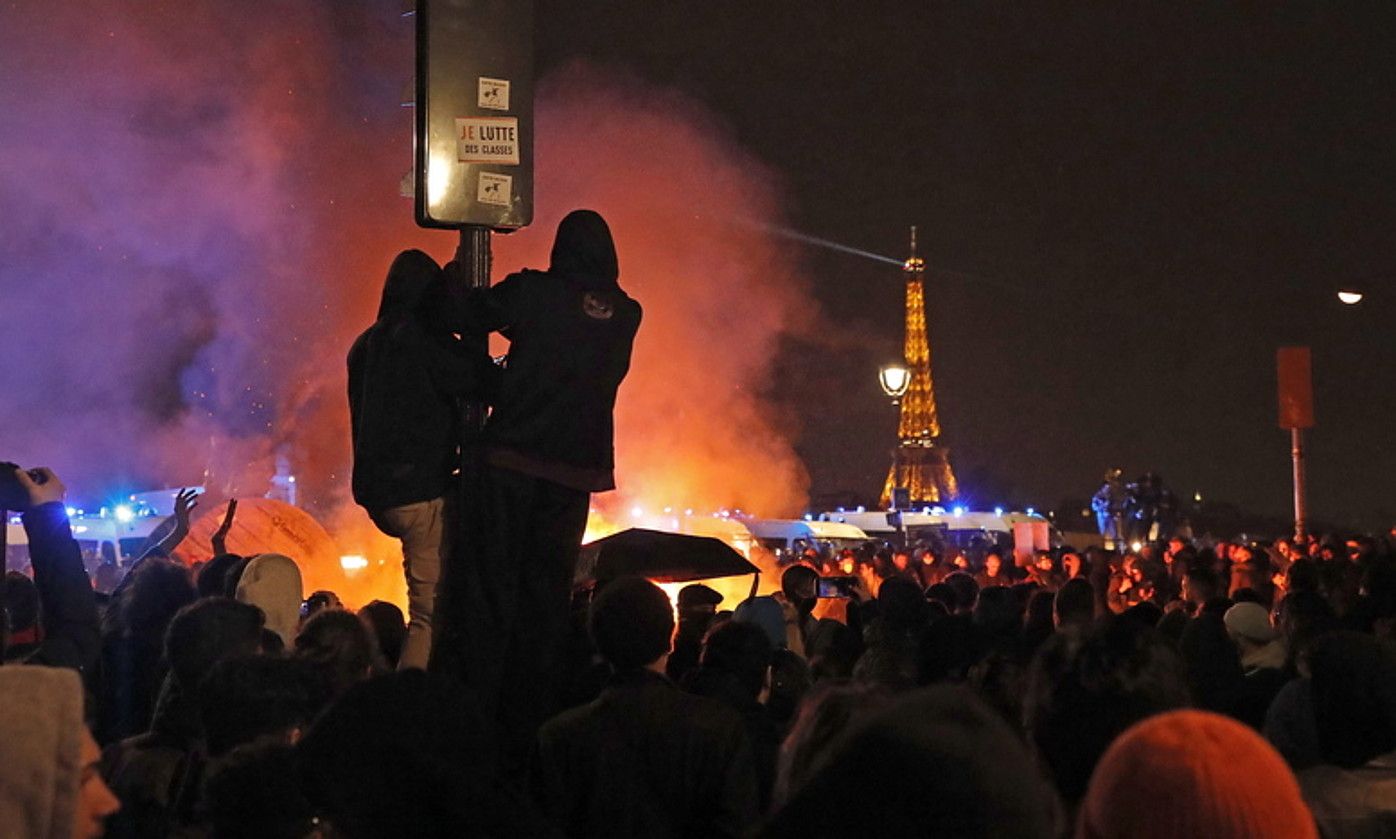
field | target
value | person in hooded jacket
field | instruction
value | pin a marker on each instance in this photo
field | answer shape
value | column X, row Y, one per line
column 549, row 444
column 405, row 373
column 49, row 782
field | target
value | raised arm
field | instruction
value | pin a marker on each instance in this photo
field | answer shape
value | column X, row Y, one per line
column 220, row 536
column 170, row 532
column 71, row 634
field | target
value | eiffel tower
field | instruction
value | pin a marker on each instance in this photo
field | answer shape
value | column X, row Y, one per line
column 919, row 463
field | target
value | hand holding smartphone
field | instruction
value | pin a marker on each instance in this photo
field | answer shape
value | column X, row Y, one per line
column 841, row 587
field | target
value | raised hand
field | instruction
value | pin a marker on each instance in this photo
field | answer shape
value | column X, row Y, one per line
column 41, row 485
column 184, row 502
column 220, row 535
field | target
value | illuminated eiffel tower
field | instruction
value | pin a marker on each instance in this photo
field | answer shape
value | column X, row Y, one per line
column 919, row 463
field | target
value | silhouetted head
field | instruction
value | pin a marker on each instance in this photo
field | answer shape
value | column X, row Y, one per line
column 411, row 276
column 584, row 248
column 631, row 623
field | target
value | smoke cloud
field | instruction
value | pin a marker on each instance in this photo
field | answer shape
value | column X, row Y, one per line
column 200, row 207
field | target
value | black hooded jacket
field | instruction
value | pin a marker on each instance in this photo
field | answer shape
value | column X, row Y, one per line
column 404, row 374
column 570, row 332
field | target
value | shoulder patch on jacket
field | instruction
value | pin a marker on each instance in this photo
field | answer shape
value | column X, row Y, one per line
column 597, row 307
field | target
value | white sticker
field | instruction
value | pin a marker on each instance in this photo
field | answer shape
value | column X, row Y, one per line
column 495, row 189
column 494, row 94
column 487, row 140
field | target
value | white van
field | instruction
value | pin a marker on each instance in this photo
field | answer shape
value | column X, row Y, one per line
column 100, row 538
column 789, row 538
column 966, row 530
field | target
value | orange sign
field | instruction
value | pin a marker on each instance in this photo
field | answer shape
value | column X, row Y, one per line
column 1295, row 373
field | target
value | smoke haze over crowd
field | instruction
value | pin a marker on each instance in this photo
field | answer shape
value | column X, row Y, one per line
column 198, row 224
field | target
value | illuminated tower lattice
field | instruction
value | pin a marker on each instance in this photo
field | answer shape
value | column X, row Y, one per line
column 919, row 462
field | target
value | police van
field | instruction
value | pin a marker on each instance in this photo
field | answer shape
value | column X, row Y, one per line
column 973, row 532
column 114, row 534
column 790, row 538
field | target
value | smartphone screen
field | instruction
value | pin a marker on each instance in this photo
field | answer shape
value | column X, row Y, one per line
column 836, row 586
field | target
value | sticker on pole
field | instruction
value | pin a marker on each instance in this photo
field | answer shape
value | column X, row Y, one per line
column 494, row 94
column 487, row 140
column 495, row 189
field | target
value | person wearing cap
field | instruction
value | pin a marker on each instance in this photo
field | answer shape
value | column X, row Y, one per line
column 1262, row 652
column 1250, row 629
column 697, row 606
column 1222, row 781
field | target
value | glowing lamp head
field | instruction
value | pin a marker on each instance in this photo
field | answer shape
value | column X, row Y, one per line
column 1350, row 296
column 895, row 379
column 352, row 563
column 914, row 265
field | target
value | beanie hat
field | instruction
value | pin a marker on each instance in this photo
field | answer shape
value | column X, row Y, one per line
column 272, row 583
column 1250, row 621
column 40, row 751
column 1222, row 781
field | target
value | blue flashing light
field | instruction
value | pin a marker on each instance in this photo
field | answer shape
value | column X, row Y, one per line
column 959, row 511
column 124, row 513
column 70, row 511
column 809, row 517
column 1032, row 512
column 998, row 511
column 861, row 509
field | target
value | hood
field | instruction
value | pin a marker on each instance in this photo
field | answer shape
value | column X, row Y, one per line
column 584, row 248
column 40, row 771
column 411, row 276
column 272, row 583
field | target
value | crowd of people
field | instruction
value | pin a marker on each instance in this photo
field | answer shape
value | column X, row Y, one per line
column 1219, row 690
column 1233, row 690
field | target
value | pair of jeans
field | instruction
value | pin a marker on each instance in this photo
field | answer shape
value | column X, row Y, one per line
column 423, row 529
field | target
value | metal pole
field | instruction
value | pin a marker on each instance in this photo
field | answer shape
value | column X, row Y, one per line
column 471, row 272
column 1296, row 451
column 473, row 262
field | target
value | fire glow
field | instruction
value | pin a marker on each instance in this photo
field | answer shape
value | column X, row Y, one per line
column 184, row 299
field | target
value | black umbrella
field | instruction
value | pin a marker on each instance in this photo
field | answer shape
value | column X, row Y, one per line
column 660, row 556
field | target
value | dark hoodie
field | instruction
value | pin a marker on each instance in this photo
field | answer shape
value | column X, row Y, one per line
column 570, row 332
column 404, row 376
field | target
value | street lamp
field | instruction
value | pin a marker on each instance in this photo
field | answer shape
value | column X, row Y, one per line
column 895, row 379
column 1350, row 296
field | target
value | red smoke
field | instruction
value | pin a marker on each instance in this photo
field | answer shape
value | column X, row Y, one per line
column 202, row 200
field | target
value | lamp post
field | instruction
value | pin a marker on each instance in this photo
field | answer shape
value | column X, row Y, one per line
column 895, row 379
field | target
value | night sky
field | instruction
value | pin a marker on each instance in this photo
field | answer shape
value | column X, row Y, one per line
column 1124, row 212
